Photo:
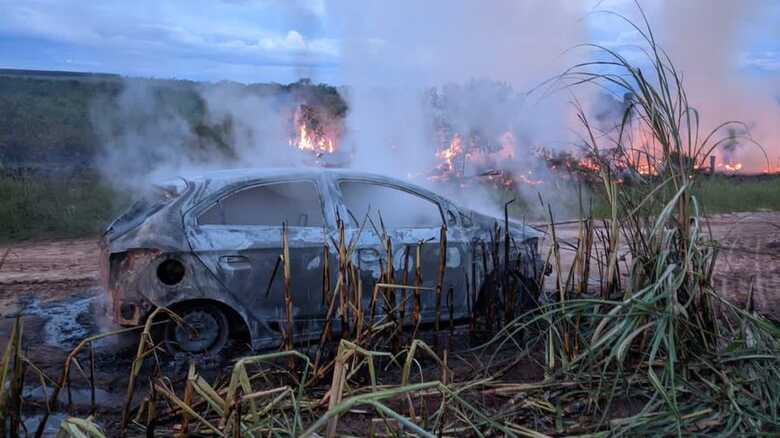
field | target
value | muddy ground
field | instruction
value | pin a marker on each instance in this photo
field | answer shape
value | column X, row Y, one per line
column 749, row 256
column 54, row 285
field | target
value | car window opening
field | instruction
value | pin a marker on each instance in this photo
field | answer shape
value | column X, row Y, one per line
column 295, row 203
column 396, row 208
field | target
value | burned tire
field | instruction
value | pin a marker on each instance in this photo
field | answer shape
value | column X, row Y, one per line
column 204, row 330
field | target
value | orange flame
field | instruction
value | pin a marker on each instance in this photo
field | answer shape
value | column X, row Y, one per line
column 730, row 167
column 449, row 153
column 479, row 160
column 305, row 140
column 589, row 164
column 310, row 138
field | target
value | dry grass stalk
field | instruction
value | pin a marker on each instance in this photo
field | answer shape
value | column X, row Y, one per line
column 418, row 280
column 79, row 428
column 185, row 417
column 151, row 409
column 508, row 291
column 93, row 404
column 325, row 334
column 289, row 331
column 404, row 296
column 341, row 285
column 171, row 396
column 326, row 291
column 390, row 304
column 146, row 347
column 356, row 305
column 440, row 276
column 336, row 391
column 10, row 393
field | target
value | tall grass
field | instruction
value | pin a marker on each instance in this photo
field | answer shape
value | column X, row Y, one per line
column 718, row 194
column 661, row 333
column 35, row 206
column 728, row 194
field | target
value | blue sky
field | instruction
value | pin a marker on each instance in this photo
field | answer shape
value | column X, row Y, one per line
column 250, row 41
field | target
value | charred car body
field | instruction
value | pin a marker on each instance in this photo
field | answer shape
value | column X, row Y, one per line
column 207, row 248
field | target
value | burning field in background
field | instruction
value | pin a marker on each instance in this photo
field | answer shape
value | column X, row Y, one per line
column 498, row 154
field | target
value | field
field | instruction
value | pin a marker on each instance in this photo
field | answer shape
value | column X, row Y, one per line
column 45, row 207
column 57, row 119
column 41, row 207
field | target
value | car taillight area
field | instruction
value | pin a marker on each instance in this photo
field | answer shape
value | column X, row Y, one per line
column 122, row 274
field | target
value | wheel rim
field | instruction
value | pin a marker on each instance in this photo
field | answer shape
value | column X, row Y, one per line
column 199, row 332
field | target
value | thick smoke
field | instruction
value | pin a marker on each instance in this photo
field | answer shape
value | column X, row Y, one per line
column 142, row 132
column 394, row 52
column 709, row 42
column 257, row 126
column 409, row 65
column 712, row 43
column 153, row 130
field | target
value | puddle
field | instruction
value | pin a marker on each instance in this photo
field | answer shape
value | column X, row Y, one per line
column 66, row 321
column 62, row 320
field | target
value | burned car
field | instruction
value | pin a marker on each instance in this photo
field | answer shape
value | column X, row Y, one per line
column 207, row 248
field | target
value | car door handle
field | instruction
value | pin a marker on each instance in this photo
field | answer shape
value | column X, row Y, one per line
column 234, row 261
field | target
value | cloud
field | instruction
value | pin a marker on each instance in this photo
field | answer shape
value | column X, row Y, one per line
column 283, row 40
column 768, row 61
column 199, row 33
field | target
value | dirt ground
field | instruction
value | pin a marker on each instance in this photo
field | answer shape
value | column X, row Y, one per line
column 749, row 256
column 54, row 284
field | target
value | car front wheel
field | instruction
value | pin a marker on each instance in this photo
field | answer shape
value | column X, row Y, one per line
column 204, row 329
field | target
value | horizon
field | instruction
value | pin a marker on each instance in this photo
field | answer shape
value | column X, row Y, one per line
column 269, row 41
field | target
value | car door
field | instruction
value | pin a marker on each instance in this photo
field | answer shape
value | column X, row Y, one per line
column 411, row 220
column 238, row 236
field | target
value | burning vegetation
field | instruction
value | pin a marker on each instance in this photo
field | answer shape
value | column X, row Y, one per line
column 310, row 133
column 498, row 155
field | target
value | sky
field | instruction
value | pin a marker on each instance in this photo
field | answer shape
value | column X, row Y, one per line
column 261, row 40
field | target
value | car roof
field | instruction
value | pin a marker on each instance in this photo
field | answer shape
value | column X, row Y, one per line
column 218, row 179
column 238, row 175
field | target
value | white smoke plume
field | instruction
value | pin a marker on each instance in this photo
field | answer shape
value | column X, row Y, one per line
column 711, row 43
column 393, row 51
column 486, row 59
column 142, row 133
column 160, row 129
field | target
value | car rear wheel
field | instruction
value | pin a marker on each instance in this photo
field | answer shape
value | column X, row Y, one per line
column 204, row 329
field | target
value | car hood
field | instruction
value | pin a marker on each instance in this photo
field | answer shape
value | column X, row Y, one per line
column 516, row 228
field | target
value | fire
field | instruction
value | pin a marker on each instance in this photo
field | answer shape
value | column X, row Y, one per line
column 305, row 140
column 507, row 151
column 730, row 167
column 309, row 134
column 464, row 161
column 589, row 164
column 645, row 169
column 450, row 153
